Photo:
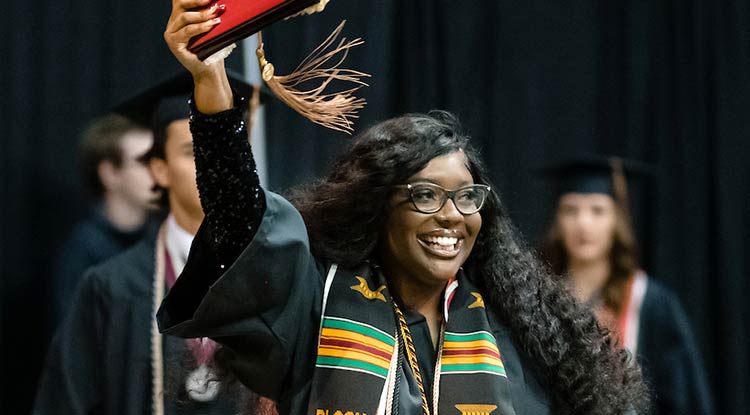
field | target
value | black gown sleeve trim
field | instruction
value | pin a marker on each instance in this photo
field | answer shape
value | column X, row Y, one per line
column 228, row 182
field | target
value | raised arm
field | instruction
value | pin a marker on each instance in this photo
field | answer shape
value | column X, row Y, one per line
column 190, row 18
column 250, row 281
column 226, row 173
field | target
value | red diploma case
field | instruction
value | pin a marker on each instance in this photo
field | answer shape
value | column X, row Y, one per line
column 241, row 19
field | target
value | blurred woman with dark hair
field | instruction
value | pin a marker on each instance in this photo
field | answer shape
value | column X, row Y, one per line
column 591, row 240
column 395, row 284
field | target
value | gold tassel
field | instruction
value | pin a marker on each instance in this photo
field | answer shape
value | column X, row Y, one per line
column 332, row 110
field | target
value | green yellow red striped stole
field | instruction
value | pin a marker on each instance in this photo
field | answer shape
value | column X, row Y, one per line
column 467, row 353
column 359, row 367
column 351, row 345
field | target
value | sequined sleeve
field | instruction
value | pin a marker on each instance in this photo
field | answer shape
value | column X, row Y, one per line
column 228, row 183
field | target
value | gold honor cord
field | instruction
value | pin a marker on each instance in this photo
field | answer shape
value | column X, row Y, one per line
column 411, row 355
column 157, row 357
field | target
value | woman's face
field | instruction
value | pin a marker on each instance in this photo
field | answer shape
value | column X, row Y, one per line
column 428, row 248
column 587, row 225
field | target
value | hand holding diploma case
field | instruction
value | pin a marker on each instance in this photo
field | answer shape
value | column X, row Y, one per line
column 241, row 19
column 330, row 108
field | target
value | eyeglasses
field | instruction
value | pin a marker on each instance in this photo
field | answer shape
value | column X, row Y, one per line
column 430, row 198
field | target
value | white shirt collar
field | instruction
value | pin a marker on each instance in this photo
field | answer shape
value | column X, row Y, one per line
column 178, row 242
column 450, row 289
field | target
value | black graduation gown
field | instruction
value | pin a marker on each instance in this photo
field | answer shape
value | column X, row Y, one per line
column 91, row 242
column 266, row 309
column 99, row 361
column 669, row 355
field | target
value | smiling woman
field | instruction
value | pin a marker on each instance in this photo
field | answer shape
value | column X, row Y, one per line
column 395, row 284
column 429, row 248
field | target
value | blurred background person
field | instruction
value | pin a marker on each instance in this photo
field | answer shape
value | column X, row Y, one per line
column 107, row 355
column 125, row 198
column 591, row 242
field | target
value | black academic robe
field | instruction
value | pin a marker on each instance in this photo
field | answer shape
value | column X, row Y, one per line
column 669, row 355
column 266, row 309
column 91, row 242
column 99, row 361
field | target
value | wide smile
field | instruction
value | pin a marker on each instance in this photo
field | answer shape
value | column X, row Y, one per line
column 441, row 246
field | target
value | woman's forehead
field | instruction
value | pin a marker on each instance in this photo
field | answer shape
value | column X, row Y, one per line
column 446, row 168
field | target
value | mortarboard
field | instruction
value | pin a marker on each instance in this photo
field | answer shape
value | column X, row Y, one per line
column 593, row 174
column 596, row 174
column 159, row 105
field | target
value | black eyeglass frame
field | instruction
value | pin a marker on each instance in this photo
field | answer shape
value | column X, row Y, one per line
column 446, row 194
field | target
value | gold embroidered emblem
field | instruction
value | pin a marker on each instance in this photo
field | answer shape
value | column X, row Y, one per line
column 479, row 302
column 476, row 409
column 366, row 292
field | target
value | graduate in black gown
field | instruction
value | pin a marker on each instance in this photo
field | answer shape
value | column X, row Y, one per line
column 592, row 242
column 107, row 356
column 395, row 284
column 110, row 150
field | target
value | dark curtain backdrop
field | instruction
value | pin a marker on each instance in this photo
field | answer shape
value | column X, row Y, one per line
column 665, row 82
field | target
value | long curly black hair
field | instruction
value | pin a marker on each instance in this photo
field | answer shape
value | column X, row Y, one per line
column 345, row 213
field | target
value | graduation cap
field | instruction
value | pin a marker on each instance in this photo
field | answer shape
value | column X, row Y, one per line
column 596, row 174
column 159, row 105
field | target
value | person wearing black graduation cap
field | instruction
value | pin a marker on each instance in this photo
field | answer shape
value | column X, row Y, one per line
column 592, row 242
column 107, row 356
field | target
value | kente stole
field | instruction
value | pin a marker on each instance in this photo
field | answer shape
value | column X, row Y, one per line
column 358, row 367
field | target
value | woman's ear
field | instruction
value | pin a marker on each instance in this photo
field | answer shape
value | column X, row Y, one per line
column 159, row 171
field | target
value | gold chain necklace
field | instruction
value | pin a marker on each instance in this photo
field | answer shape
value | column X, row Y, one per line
column 411, row 355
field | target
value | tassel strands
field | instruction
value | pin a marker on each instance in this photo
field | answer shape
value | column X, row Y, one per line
column 332, row 110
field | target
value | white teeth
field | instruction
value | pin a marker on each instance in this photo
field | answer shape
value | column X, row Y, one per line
column 442, row 240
